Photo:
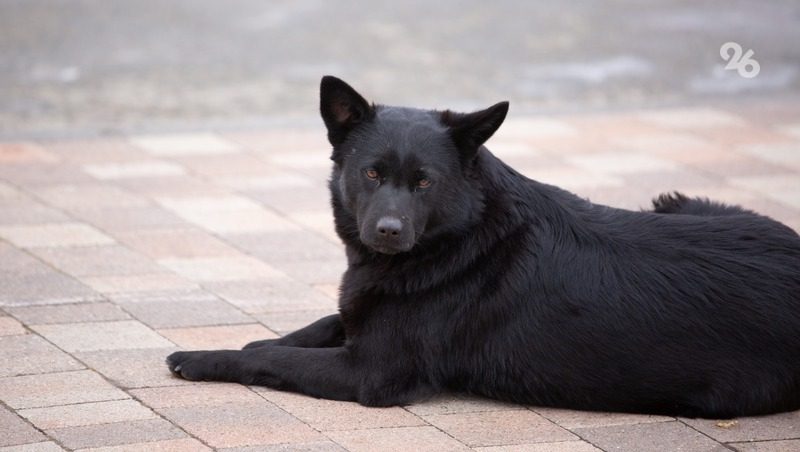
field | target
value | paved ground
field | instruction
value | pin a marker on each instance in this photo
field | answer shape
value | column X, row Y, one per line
column 94, row 66
column 115, row 252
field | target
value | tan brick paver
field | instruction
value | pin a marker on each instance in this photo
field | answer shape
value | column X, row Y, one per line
column 561, row 446
column 167, row 445
column 10, row 326
column 768, row 446
column 184, row 313
column 325, row 415
column 14, row 431
column 241, row 424
column 62, row 388
column 87, row 414
column 64, row 234
column 655, row 437
column 26, row 354
column 777, row 426
column 576, row 419
column 499, row 427
column 197, row 395
column 79, row 337
column 115, row 252
column 401, row 439
column 211, row 337
column 115, row 433
column 68, row 313
column 133, row 368
column 458, row 403
column 44, row 446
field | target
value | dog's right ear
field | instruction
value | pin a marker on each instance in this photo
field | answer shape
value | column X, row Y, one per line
column 470, row 130
column 342, row 108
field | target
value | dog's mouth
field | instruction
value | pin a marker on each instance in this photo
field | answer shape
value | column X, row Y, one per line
column 390, row 250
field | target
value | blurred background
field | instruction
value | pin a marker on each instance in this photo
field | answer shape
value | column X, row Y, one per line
column 85, row 67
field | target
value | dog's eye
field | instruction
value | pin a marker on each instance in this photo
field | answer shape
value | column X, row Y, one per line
column 424, row 183
column 371, row 174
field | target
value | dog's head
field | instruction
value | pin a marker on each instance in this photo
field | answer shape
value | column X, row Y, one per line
column 402, row 175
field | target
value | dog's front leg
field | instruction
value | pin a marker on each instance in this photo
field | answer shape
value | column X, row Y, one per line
column 325, row 332
column 320, row 372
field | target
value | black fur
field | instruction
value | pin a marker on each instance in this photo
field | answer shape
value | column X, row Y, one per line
column 490, row 283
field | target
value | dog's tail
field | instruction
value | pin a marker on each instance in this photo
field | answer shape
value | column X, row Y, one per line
column 678, row 203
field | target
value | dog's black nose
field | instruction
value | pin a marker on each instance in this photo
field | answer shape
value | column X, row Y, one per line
column 389, row 226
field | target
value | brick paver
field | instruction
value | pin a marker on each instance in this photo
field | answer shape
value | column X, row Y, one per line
column 653, row 437
column 59, row 388
column 410, row 439
column 114, row 252
column 494, row 428
column 132, row 368
column 87, row 414
column 561, row 446
column 24, row 354
column 115, row 433
column 325, row 415
column 13, row 430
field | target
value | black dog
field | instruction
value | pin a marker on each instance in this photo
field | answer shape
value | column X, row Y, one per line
column 466, row 276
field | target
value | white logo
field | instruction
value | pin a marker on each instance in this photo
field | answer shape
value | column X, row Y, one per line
column 745, row 65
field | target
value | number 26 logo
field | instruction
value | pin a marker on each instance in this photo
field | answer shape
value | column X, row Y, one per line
column 745, row 65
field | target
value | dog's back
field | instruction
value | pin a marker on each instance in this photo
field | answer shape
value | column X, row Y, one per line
column 692, row 313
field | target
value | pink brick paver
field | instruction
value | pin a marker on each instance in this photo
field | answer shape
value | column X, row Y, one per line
column 114, row 252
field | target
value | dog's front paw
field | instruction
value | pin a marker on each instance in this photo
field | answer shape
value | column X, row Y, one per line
column 201, row 365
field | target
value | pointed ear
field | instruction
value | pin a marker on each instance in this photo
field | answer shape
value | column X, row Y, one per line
column 342, row 108
column 470, row 130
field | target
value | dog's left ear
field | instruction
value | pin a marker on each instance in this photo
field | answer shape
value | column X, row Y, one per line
column 470, row 130
column 342, row 108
